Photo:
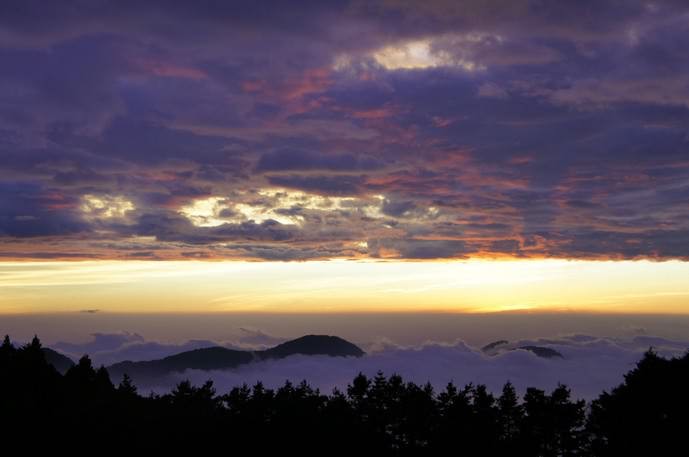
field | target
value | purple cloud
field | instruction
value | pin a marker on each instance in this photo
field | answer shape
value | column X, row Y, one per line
column 507, row 131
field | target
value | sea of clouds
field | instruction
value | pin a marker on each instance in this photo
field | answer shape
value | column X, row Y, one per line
column 589, row 364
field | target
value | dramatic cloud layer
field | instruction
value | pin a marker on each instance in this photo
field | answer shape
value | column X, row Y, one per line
column 391, row 129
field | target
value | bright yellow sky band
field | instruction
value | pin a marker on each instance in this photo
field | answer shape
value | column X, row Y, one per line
column 473, row 286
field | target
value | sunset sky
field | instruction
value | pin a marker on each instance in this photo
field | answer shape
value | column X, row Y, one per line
column 344, row 157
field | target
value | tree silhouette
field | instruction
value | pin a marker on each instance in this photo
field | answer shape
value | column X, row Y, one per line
column 127, row 387
column 647, row 414
column 7, row 345
column 510, row 416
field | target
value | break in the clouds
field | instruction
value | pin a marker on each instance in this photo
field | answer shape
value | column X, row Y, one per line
column 416, row 130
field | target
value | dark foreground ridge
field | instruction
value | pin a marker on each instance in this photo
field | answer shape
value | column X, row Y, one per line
column 83, row 413
column 219, row 358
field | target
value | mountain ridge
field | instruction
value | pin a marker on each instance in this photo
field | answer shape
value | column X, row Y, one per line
column 58, row 360
column 218, row 357
column 502, row 346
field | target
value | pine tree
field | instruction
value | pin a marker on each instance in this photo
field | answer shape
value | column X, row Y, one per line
column 511, row 413
column 127, row 387
column 6, row 344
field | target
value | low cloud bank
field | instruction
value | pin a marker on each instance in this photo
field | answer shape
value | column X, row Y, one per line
column 590, row 365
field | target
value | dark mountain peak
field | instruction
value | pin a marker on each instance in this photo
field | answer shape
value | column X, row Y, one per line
column 60, row 362
column 333, row 346
column 210, row 358
column 541, row 351
column 494, row 345
column 219, row 358
column 501, row 346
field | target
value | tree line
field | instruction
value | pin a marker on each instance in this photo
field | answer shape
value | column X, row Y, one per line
column 83, row 413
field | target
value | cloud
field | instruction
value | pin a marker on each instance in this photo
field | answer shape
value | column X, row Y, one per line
column 491, row 90
column 101, row 342
column 570, row 136
column 325, row 185
column 149, row 143
column 589, row 366
column 294, row 159
column 36, row 211
column 418, row 249
column 174, row 227
column 256, row 339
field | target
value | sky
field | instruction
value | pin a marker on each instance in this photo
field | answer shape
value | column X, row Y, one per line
column 344, row 157
column 345, row 286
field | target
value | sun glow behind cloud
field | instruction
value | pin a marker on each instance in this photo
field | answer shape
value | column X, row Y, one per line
column 411, row 55
column 105, row 206
column 418, row 54
column 346, row 286
column 279, row 205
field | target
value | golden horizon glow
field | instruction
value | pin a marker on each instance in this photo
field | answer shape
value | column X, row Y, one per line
column 471, row 286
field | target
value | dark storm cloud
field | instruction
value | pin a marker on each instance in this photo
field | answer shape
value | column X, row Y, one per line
column 27, row 210
column 147, row 143
column 429, row 130
column 71, row 80
column 653, row 243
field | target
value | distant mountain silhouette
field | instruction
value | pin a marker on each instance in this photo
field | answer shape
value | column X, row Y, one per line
column 494, row 345
column 546, row 353
column 314, row 345
column 216, row 358
column 212, row 358
column 60, row 362
column 501, row 346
